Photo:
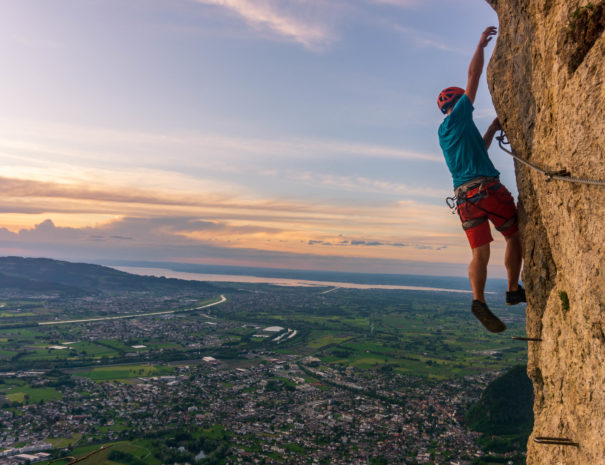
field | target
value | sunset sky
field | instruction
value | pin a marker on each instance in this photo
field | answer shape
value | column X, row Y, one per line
column 279, row 133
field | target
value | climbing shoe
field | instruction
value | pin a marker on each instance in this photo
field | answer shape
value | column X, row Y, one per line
column 515, row 297
column 486, row 317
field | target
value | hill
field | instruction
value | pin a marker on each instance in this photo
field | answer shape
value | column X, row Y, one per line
column 47, row 275
column 504, row 412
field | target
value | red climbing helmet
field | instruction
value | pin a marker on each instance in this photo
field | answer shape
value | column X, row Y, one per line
column 448, row 98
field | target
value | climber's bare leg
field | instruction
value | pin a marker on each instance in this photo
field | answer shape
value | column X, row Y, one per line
column 477, row 271
column 513, row 258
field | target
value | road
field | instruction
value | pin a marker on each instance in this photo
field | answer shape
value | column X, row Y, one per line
column 329, row 290
column 134, row 315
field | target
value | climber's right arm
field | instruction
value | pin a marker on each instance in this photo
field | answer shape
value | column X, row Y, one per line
column 476, row 67
column 491, row 132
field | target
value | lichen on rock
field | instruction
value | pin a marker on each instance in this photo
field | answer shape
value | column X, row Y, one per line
column 546, row 79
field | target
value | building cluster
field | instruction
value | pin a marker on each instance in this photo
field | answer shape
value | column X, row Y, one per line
column 31, row 453
column 279, row 411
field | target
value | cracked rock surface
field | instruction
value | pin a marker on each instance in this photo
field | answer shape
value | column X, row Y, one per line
column 546, row 79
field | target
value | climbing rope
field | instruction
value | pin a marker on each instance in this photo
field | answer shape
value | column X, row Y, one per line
column 562, row 175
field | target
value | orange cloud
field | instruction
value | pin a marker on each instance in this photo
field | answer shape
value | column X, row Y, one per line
column 107, row 216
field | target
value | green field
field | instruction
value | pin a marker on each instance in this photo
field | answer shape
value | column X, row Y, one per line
column 23, row 393
column 61, row 443
column 118, row 373
column 419, row 333
column 426, row 334
column 100, row 457
column 145, row 450
column 16, row 314
column 326, row 340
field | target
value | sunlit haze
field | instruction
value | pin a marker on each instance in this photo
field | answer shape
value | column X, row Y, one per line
column 271, row 133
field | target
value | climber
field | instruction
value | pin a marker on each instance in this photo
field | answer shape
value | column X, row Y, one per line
column 479, row 194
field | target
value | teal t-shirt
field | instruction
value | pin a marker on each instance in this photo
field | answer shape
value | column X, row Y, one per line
column 463, row 146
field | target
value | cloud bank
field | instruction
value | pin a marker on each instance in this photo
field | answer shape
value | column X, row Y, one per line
column 146, row 239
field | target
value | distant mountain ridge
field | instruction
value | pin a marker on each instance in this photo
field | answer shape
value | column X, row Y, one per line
column 46, row 275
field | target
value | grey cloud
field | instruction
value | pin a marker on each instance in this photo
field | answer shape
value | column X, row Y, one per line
column 142, row 230
column 367, row 243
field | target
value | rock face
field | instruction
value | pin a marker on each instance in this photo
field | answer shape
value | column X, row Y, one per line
column 546, row 78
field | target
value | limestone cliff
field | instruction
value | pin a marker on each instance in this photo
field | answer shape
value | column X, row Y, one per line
column 546, row 78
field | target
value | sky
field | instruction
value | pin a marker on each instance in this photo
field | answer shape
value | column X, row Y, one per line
column 280, row 133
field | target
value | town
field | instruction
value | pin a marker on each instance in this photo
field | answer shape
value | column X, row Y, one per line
column 245, row 373
column 279, row 410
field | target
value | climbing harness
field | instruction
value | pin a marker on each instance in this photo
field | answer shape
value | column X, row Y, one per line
column 557, row 441
column 562, row 175
column 474, row 183
column 461, row 199
column 460, row 191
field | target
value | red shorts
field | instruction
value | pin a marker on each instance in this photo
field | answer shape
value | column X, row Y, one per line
column 491, row 201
